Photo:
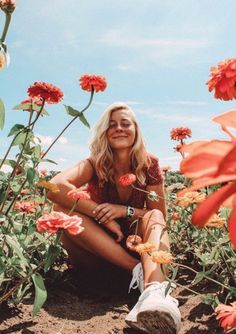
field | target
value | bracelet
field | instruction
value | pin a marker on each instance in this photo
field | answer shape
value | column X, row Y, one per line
column 129, row 211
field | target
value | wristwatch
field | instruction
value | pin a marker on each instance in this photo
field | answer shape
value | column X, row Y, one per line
column 129, row 211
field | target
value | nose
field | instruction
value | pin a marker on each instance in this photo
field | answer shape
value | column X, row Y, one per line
column 119, row 127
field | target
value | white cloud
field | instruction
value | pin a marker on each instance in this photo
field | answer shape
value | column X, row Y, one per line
column 48, row 140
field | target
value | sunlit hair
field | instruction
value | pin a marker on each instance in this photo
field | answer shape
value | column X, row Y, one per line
column 101, row 152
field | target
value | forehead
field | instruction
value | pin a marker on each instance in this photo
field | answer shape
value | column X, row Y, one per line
column 120, row 114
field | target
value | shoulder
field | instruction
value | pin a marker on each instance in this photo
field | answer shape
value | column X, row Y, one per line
column 153, row 172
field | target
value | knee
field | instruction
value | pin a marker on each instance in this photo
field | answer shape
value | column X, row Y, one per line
column 153, row 217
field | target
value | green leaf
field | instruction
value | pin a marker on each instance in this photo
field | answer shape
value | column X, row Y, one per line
column 15, row 129
column 2, row 114
column 40, row 293
column 9, row 162
column 48, row 160
column 20, row 139
column 71, row 111
column 13, row 243
column 199, row 277
column 31, row 173
column 53, row 252
column 29, row 106
column 84, row 120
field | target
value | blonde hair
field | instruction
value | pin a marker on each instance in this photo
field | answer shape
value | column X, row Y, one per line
column 101, row 152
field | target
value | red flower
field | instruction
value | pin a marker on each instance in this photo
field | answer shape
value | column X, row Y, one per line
column 98, row 82
column 180, row 133
column 223, row 80
column 226, row 315
column 30, row 101
column 8, row 6
column 209, row 163
column 77, row 194
column 54, row 221
column 48, row 92
column 132, row 241
column 25, row 206
column 127, row 179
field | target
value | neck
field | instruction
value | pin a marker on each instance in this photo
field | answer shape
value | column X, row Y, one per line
column 122, row 163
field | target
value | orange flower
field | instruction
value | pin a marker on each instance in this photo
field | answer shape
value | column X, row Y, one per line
column 54, row 221
column 191, row 197
column 8, row 6
column 175, row 216
column 147, row 247
column 226, row 315
column 223, row 80
column 180, row 133
column 2, row 60
column 98, row 82
column 50, row 93
column 25, row 206
column 77, row 194
column 132, row 241
column 215, row 221
column 127, row 179
column 161, row 257
column 209, row 163
column 48, row 185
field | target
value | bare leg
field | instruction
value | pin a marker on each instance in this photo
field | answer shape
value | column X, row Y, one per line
column 150, row 230
column 97, row 242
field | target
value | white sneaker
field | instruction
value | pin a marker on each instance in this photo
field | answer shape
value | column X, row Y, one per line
column 137, row 279
column 155, row 312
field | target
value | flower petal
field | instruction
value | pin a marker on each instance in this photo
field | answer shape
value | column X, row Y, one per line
column 227, row 118
column 232, row 227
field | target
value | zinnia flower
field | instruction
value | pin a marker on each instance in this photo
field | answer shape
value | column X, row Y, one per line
column 132, row 241
column 175, row 216
column 209, row 163
column 8, row 6
column 2, row 60
column 215, row 221
column 127, row 179
column 31, row 102
column 77, row 194
column 147, row 247
column 180, row 133
column 223, row 80
column 48, row 92
column 191, row 197
column 226, row 315
column 43, row 172
column 54, row 221
column 25, row 206
column 161, row 257
column 98, row 82
column 48, row 185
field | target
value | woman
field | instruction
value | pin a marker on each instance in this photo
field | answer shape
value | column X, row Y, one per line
column 117, row 148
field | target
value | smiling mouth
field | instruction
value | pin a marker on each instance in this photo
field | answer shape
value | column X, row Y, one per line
column 120, row 137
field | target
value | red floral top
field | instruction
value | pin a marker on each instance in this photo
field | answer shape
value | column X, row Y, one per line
column 108, row 193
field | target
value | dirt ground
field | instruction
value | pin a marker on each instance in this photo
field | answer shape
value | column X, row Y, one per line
column 97, row 302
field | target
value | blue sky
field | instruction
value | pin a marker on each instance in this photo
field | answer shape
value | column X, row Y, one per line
column 155, row 54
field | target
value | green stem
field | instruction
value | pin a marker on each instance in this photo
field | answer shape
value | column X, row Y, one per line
column 73, row 207
column 5, row 29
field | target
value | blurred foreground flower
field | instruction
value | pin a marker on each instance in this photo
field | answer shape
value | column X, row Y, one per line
column 50, row 93
column 8, row 6
column 98, row 82
column 77, row 194
column 209, row 163
column 48, row 185
column 226, row 315
column 132, row 241
column 54, row 221
column 223, row 79
column 161, row 257
column 180, row 133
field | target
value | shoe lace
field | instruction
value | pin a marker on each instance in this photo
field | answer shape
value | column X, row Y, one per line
column 137, row 279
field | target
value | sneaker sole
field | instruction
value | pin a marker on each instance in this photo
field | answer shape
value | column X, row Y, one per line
column 156, row 322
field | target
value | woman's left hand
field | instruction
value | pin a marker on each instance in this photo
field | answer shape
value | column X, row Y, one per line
column 105, row 212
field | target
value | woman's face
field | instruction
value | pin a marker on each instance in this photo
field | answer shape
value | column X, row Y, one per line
column 121, row 132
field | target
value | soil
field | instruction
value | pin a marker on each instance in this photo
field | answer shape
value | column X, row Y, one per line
column 97, row 302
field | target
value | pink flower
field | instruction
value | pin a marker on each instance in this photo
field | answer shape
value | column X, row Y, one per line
column 50, row 93
column 132, row 241
column 223, row 80
column 43, row 172
column 127, row 179
column 54, row 221
column 226, row 315
column 98, row 82
column 8, row 6
column 77, row 194
column 180, row 133
column 25, row 206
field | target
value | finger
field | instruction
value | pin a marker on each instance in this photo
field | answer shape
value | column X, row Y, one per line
column 99, row 207
column 119, row 237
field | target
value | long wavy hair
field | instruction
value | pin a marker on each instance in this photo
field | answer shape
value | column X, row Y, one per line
column 102, row 154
